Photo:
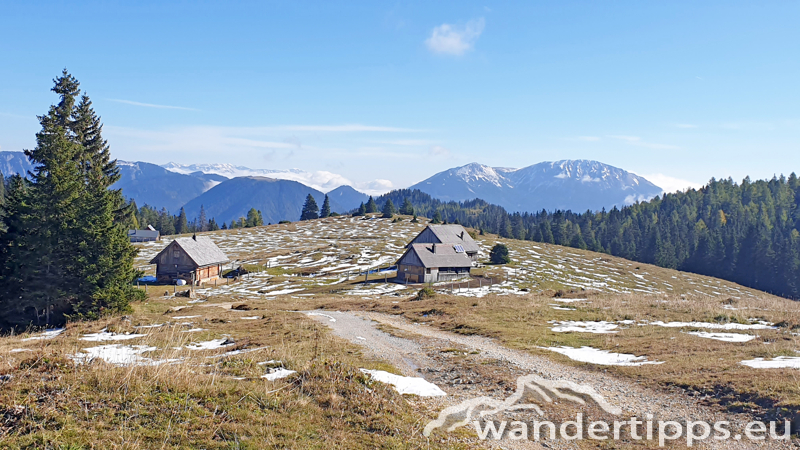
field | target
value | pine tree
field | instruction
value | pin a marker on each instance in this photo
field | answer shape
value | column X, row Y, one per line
column 253, row 218
column 181, row 224
column 362, row 210
column 437, row 217
column 212, row 225
column 371, row 206
column 407, row 208
column 166, row 223
column 325, row 211
column 310, row 209
column 388, row 209
column 202, row 222
column 499, row 254
column 224, row 226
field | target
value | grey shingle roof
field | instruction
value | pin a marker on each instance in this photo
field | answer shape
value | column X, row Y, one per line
column 455, row 234
column 146, row 234
column 445, row 256
column 203, row 251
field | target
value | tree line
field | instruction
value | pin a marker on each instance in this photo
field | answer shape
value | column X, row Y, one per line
column 168, row 224
column 64, row 251
column 743, row 232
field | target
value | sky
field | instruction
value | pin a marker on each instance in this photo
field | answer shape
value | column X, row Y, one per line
column 385, row 94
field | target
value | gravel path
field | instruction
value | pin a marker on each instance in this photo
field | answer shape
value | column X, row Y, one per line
column 411, row 358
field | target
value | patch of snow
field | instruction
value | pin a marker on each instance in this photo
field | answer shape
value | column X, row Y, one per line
column 185, row 317
column 715, row 326
column 49, row 333
column 193, row 330
column 250, row 318
column 406, row 385
column 278, row 374
column 118, row 355
column 210, row 345
column 779, row 362
column 601, row 327
column 18, row 350
column 727, row 337
column 601, row 357
column 104, row 335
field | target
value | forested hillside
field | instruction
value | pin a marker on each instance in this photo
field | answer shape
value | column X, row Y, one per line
column 744, row 232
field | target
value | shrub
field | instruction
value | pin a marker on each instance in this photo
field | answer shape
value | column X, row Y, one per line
column 425, row 293
column 499, row 254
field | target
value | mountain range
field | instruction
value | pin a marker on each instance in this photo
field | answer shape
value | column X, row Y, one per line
column 578, row 185
column 227, row 192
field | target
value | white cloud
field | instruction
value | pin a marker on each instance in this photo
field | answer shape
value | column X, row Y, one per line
column 671, row 184
column 374, row 187
column 151, row 105
column 455, row 40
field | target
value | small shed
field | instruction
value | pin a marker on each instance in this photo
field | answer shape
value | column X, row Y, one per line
column 193, row 259
column 148, row 235
column 448, row 234
column 431, row 263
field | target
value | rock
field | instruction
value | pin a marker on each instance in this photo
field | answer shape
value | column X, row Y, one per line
column 242, row 307
column 189, row 293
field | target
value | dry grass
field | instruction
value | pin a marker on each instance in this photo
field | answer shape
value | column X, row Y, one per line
column 198, row 402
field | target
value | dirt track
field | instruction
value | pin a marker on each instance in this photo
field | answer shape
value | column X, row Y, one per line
column 427, row 352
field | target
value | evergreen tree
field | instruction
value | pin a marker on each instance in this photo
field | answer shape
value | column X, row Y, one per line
column 388, row 209
column 181, row 224
column 371, row 206
column 325, row 211
column 212, row 225
column 407, row 208
column 224, row 226
column 202, row 221
column 166, row 223
column 65, row 252
column 362, row 210
column 310, row 209
column 253, row 218
column 499, row 254
column 437, row 217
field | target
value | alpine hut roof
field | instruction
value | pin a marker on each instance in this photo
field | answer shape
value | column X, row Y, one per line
column 439, row 255
column 200, row 249
column 454, row 234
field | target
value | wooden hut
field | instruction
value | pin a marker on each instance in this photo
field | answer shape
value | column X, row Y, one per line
column 193, row 259
column 431, row 263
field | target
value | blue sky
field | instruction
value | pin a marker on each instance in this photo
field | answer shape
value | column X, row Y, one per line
column 386, row 94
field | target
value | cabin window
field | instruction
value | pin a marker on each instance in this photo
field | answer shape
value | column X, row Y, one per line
column 176, row 254
column 427, row 270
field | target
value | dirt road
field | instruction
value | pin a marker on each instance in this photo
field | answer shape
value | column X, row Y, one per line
column 465, row 366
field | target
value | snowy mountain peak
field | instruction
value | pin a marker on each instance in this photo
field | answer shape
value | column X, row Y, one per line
column 475, row 172
column 567, row 184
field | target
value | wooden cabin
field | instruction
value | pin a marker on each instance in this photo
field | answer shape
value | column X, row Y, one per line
column 448, row 234
column 193, row 259
column 431, row 263
column 149, row 234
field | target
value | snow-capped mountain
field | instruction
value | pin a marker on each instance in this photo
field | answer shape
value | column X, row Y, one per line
column 569, row 184
column 320, row 180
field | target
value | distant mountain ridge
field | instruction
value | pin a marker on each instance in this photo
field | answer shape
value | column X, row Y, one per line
column 577, row 185
column 276, row 199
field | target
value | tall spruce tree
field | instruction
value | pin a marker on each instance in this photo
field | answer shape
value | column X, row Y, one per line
column 325, row 211
column 310, row 209
column 202, row 222
column 388, row 209
column 181, row 223
column 371, row 206
column 64, row 254
column 407, row 208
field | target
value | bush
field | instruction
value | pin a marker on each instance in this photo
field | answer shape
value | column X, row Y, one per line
column 425, row 293
column 499, row 254
column 284, row 221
